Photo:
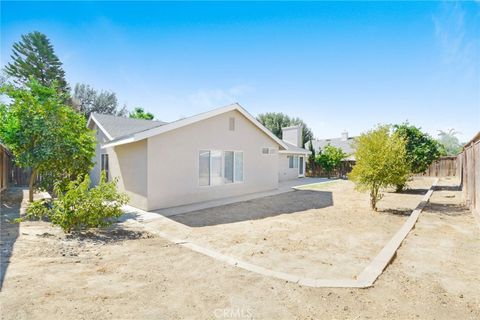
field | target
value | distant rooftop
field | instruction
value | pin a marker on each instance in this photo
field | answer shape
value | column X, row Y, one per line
column 345, row 143
column 122, row 126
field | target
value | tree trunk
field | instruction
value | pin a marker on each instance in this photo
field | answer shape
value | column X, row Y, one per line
column 33, row 176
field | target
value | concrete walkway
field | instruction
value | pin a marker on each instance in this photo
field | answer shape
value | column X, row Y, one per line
column 284, row 186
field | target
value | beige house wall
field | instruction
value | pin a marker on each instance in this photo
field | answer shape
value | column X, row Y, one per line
column 173, row 161
column 284, row 172
column 128, row 163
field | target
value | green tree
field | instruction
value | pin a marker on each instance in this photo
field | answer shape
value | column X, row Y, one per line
column 275, row 121
column 421, row 149
column 45, row 135
column 87, row 100
column 330, row 158
column 381, row 162
column 33, row 56
column 139, row 113
column 450, row 145
column 78, row 206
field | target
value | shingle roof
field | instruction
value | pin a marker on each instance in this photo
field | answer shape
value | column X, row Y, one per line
column 295, row 149
column 345, row 145
column 121, row 126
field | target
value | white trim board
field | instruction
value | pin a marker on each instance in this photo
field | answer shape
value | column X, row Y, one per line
column 190, row 120
column 366, row 278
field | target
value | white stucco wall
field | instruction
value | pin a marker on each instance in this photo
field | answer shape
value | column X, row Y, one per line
column 129, row 164
column 286, row 173
column 173, row 161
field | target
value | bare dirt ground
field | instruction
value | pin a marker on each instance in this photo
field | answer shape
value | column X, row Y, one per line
column 323, row 231
column 127, row 274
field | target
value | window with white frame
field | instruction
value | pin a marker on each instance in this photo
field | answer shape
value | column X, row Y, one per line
column 219, row 167
column 104, row 165
column 292, row 162
column 269, row 151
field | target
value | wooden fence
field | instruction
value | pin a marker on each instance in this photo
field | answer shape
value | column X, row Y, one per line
column 343, row 169
column 443, row 167
column 469, row 162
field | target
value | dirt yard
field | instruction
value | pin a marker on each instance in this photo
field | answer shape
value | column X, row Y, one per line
column 125, row 273
column 323, row 231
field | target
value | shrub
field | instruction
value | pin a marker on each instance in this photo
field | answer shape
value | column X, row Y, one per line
column 330, row 158
column 80, row 207
column 421, row 149
column 380, row 162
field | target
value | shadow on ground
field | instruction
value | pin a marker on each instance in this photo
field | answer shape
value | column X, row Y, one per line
column 285, row 203
column 398, row 212
column 447, row 209
column 110, row 235
column 413, row 191
column 447, row 188
column 10, row 201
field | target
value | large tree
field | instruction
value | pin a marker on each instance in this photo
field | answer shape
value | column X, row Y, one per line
column 421, row 149
column 45, row 135
column 380, row 162
column 34, row 57
column 140, row 113
column 275, row 121
column 87, row 100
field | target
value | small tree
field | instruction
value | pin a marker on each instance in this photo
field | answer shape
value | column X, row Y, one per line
column 139, row 113
column 45, row 135
column 421, row 149
column 380, row 162
column 330, row 158
column 78, row 206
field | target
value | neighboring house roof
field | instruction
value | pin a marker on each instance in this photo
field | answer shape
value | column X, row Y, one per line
column 115, row 127
column 292, row 149
column 161, row 127
column 345, row 144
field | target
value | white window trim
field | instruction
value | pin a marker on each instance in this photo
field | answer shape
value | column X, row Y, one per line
column 223, row 168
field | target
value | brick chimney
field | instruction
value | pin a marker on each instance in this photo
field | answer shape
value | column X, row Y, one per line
column 293, row 135
column 344, row 136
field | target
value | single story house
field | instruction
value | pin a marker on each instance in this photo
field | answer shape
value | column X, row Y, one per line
column 220, row 153
column 345, row 143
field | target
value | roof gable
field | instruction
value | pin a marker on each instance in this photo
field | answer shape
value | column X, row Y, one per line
column 190, row 120
column 115, row 127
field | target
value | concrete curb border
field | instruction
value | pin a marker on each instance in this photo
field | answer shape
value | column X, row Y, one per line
column 366, row 279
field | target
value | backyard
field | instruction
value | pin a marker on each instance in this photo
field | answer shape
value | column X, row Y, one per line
column 125, row 272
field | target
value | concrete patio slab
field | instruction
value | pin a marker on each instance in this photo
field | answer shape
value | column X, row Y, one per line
column 284, row 186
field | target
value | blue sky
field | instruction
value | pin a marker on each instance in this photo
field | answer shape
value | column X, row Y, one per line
column 337, row 65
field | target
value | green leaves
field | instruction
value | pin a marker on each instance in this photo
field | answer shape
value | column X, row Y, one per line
column 330, row 157
column 80, row 207
column 44, row 134
column 139, row 113
column 33, row 57
column 380, row 162
column 275, row 121
column 421, row 149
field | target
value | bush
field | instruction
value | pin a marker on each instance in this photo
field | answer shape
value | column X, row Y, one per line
column 380, row 162
column 80, row 207
column 330, row 158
